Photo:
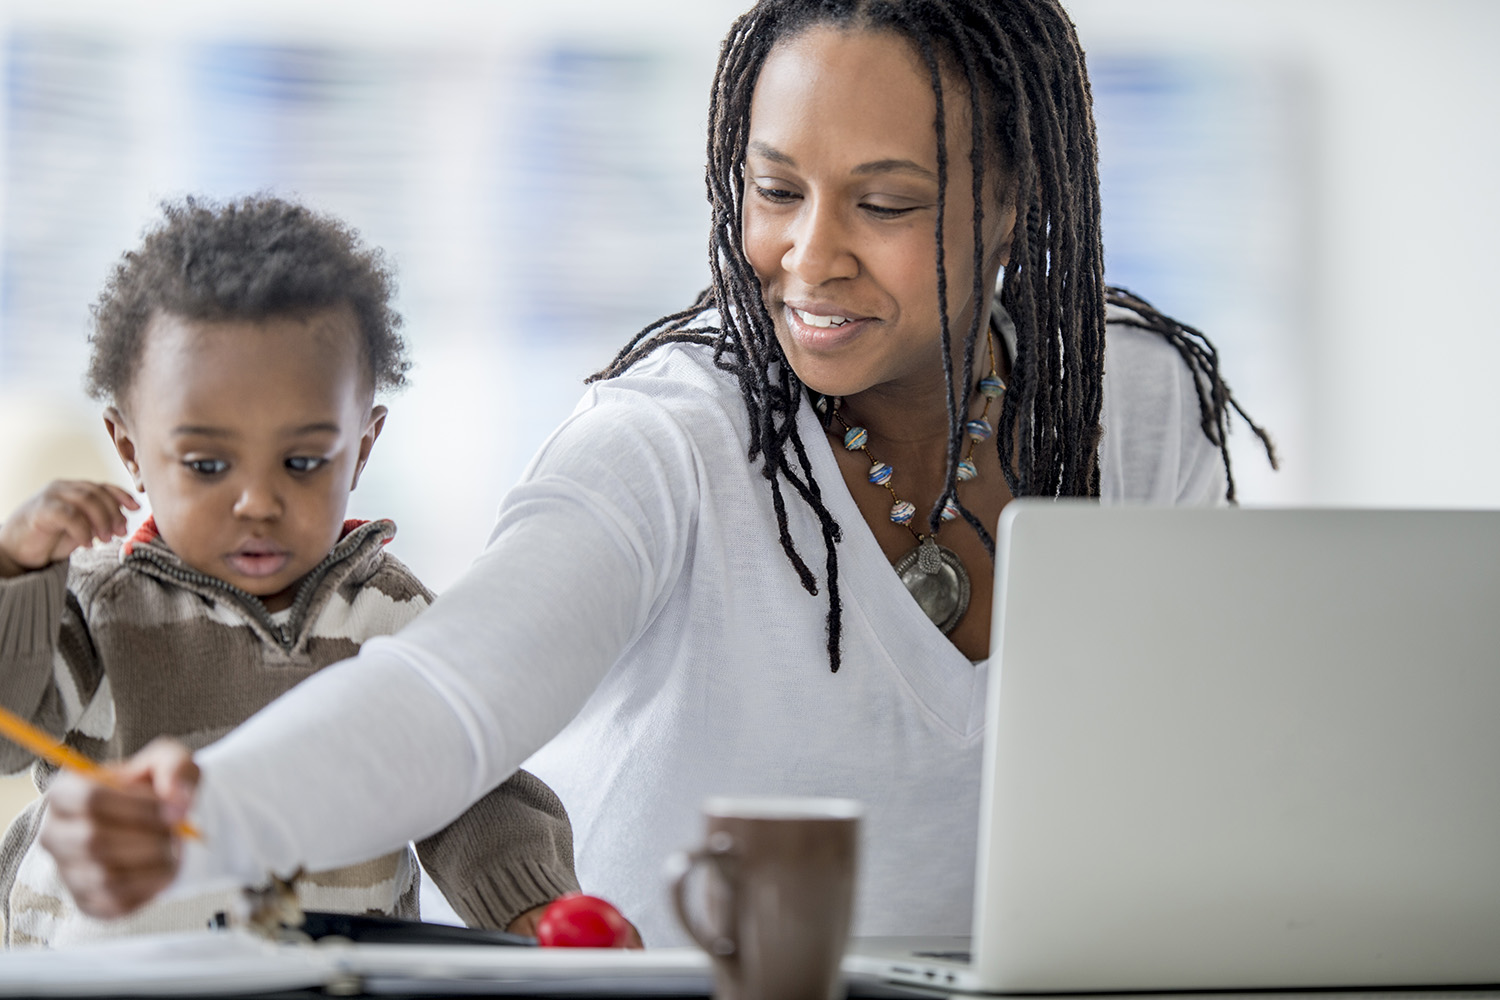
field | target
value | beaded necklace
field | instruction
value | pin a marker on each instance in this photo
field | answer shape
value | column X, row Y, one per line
column 933, row 573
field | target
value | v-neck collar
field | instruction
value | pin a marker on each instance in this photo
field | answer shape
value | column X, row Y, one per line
column 938, row 674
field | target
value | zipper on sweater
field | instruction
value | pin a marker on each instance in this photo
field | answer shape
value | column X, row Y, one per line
column 286, row 636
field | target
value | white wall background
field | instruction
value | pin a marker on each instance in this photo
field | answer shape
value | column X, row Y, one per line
column 1377, row 380
column 1404, row 216
column 1364, row 332
column 423, row 132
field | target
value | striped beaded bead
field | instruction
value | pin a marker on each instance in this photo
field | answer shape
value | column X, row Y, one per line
column 903, row 512
column 966, row 471
column 880, row 473
column 855, row 438
column 991, row 386
column 978, row 429
column 950, row 509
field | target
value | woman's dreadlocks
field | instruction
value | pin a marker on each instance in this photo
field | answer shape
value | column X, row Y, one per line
column 1030, row 106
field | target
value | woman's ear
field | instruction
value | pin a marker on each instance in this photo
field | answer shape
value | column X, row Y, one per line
column 1006, row 217
column 1008, row 234
column 1000, row 234
column 1012, row 210
column 119, row 435
column 367, row 441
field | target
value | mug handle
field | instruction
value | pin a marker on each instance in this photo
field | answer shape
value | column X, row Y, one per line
column 717, row 852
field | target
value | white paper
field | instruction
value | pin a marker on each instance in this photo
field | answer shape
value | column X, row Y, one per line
column 224, row 963
column 188, row 963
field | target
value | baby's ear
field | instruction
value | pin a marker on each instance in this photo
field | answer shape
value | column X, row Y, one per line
column 367, row 440
column 119, row 435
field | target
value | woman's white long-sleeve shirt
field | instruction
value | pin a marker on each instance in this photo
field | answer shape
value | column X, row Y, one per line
column 634, row 603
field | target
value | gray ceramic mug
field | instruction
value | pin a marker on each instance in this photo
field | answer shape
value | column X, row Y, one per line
column 779, row 875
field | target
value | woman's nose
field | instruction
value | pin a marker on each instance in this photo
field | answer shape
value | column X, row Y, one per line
column 820, row 249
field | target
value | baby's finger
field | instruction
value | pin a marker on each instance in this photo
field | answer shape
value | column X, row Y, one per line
column 98, row 506
column 61, row 523
column 122, row 496
column 66, row 527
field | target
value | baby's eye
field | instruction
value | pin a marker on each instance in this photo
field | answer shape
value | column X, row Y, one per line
column 207, row 466
column 305, row 463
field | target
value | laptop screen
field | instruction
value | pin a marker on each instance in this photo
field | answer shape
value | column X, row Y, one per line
column 1241, row 748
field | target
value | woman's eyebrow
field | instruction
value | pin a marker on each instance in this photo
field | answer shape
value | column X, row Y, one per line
column 895, row 167
column 892, row 166
column 760, row 148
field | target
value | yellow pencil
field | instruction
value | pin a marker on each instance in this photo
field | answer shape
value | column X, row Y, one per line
column 23, row 733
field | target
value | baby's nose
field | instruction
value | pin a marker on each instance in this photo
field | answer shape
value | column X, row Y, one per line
column 257, row 501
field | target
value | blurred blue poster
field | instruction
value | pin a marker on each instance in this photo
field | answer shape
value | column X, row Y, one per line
column 1205, row 170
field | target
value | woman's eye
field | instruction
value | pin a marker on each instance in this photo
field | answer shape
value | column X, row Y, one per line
column 777, row 195
column 305, row 463
column 207, row 466
column 886, row 211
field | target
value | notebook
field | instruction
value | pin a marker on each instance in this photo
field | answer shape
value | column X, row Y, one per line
column 1231, row 749
column 235, row 963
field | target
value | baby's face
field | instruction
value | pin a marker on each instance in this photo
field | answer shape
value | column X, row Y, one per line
column 248, row 437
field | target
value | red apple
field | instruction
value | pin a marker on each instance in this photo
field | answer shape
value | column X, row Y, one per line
column 580, row 921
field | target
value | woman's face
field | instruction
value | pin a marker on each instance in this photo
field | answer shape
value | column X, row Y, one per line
column 841, row 197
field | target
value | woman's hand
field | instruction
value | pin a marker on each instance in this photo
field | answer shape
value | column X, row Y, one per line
column 66, row 515
column 114, row 843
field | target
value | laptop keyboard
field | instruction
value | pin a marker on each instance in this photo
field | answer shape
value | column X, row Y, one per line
column 946, row 956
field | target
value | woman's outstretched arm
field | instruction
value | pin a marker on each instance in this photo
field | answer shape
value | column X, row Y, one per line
column 392, row 745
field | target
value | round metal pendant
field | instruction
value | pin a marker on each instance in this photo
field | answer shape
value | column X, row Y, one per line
column 938, row 581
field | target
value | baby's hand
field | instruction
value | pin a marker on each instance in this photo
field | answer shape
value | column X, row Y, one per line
column 577, row 920
column 67, row 515
column 115, row 845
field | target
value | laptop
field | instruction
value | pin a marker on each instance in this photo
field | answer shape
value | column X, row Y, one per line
column 1232, row 749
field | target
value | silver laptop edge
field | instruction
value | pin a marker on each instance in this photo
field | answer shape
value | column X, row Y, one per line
column 1233, row 749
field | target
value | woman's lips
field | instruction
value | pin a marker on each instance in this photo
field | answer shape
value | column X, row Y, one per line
column 822, row 329
column 258, row 562
column 820, row 320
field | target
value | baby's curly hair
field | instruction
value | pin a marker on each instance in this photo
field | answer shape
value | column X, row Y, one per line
column 248, row 259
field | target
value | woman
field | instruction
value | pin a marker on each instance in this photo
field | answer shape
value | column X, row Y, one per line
column 711, row 580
